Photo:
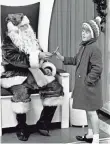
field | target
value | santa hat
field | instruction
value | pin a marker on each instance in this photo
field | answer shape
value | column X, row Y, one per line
column 49, row 65
column 93, row 26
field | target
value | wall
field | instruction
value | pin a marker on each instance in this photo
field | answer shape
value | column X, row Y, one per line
column 108, row 36
column 104, row 44
column 106, row 106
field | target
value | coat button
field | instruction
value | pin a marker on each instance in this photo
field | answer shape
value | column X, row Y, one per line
column 79, row 76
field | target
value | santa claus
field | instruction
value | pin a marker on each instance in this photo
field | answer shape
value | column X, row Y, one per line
column 23, row 62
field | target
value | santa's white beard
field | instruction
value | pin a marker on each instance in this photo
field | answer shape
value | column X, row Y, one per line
column 25, row 40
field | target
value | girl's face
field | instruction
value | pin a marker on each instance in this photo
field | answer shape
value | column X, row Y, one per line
column 86, row 34
column 48, row 71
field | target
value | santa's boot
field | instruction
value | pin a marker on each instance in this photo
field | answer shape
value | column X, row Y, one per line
column 42, row 126
column 22, row 128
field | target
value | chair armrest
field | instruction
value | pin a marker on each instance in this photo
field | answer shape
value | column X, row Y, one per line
column 63, row 78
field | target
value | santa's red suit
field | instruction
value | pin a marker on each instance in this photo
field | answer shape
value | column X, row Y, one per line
column 23, row 74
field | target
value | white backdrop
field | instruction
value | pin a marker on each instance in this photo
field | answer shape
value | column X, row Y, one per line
column 44, row 17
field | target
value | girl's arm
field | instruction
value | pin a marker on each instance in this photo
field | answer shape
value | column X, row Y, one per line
column 96, row 67
column 70, row 60
column 67, row 60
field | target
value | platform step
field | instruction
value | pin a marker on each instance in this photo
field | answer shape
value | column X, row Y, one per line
column 104, row 122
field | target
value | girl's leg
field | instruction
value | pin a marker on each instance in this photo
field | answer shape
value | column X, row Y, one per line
column 95, row 125
column 90, row 132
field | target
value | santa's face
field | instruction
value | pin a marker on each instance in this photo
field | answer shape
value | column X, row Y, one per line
column 23, row 27
column 15, row 18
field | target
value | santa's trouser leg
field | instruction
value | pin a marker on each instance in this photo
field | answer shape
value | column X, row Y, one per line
column 21, row 128
column 45, row 120
column 20, row 105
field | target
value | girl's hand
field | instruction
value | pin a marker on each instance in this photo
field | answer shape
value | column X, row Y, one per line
column 59, row 56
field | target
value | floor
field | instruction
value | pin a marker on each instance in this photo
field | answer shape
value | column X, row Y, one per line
column 57, row 136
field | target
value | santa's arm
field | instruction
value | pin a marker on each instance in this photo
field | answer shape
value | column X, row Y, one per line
column 34, row 59
column 13, row 56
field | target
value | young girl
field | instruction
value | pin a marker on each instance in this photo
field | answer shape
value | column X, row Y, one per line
column 87, row 90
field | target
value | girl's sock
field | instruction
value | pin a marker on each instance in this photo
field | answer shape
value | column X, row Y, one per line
column 95, row 139
column 89, row 134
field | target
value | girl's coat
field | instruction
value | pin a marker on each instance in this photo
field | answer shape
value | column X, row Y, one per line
column 87, row 90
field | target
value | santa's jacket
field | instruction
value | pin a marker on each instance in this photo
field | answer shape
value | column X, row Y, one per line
column 52, row 93
column 16, row 61
column 16, row 64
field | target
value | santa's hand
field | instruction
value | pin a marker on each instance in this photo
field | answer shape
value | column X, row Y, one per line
column 45, row 55
column 59, row 56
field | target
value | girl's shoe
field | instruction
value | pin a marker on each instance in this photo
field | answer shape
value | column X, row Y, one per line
column 81, row 138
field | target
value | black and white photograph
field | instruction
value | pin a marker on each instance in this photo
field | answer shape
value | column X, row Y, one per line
column 55, row 71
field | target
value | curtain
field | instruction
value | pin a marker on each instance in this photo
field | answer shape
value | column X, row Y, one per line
column 65, row 29
column 108, row 49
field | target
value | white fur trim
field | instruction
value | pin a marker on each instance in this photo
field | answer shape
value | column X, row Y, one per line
column 1, row 70
column 11, row 27
column 11, row 81
column 24, row 21
column 49, row 78
column 53, row 101
column 92, row 34
column 98, row 18
column 38, row 76
column 34, row 59
column 49, row 64
column 96, row 26
column 20, row 107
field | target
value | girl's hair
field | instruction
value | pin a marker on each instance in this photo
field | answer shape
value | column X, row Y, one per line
column 84, row 27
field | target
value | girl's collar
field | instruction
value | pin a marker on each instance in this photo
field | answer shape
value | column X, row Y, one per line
column 84, row 43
